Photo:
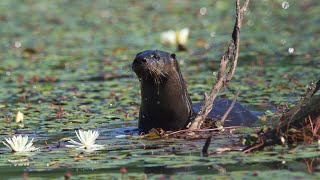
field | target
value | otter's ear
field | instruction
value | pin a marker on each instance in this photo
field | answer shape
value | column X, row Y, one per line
column 138, row 54
column 173, row 56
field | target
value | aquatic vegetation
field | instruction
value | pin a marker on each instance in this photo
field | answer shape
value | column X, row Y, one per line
column 60, row 69
column 20, row 144
column 87, row 140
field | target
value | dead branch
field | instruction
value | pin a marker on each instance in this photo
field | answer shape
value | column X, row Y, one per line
column 219, row 125
column 224, row 117
column 204, row 130
column 308, row 106
column 228, row 60
column 206, row 146
column 286, row 118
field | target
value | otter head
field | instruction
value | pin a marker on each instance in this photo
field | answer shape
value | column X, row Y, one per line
column 165, row 102
column 154, row 65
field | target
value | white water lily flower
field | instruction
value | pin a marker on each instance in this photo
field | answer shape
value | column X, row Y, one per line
column 175, row 37
column 20, row 144
column 182, row 36
column 168, row 37
column 87, row 140
column 19, row 117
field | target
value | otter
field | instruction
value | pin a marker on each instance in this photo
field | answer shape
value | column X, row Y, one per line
column 165, row 101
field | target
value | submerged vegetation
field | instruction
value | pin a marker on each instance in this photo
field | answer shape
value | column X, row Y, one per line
column 66, row 66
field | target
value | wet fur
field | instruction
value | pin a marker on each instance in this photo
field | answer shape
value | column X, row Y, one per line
column 162, row 82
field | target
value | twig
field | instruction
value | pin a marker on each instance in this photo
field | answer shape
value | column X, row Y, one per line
column 219, row 125
column 206, row 146
column 204, row 130
column 291, row 118
column 224, row 117
column 253, row 148
column 285, row 120
column 316, row 88
column 223, row 76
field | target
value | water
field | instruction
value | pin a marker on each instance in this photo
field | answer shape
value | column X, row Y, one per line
column 88, row 49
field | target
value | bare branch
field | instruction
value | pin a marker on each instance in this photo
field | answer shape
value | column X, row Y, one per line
column 285, row 119
column 224, row 74
column 292, row 118
column 204, row 130
column 224, row 117
column 245, row 6
column 206, row 146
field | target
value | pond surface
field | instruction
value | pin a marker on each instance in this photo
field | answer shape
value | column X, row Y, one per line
column 67, row 66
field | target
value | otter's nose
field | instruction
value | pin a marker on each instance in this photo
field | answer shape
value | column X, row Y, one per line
column 140, row 60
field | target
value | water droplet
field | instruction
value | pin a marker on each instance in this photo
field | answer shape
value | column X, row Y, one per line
column 158, row 102
column 8, row 73
column 143, row 116
column 291, row 50
column 146, row 99
column 203, row 11
column 110, row 104
column 17, row 44
column 285, row 5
